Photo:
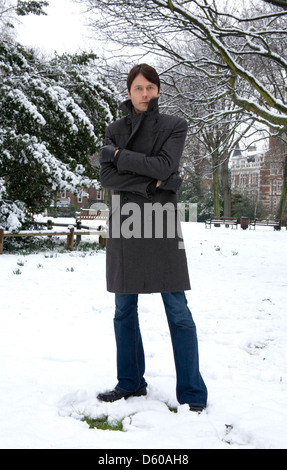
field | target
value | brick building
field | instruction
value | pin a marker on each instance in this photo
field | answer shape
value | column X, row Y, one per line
column 85, row 199
column 259, row 174
column 272, row 172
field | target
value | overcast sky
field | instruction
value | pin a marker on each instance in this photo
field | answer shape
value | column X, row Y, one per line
column 62, row 30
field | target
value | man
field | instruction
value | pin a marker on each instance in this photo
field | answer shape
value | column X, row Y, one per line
column 139, row 163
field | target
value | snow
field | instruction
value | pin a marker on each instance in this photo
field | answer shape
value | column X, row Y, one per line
column 57, row 349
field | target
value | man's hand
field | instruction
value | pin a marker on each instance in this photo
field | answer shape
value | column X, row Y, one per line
column 107, row 153
column 172, row 183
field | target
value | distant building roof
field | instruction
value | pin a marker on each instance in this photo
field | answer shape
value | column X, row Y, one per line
column 237, row 152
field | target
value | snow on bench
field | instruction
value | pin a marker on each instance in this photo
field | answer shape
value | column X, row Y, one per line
column 222, row 221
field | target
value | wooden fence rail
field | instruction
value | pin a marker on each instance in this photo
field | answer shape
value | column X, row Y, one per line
column 70, row 233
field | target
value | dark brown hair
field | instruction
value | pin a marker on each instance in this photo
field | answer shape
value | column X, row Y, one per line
column 147, row 71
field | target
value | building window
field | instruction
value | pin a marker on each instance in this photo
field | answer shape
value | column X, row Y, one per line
column 242, row 179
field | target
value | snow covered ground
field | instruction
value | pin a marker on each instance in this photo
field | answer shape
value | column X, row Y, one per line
column 57, row 349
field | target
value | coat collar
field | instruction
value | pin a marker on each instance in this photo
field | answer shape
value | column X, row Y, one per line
column 136, row 120
column 127, row 107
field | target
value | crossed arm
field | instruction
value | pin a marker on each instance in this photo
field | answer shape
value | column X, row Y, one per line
column 127, row 170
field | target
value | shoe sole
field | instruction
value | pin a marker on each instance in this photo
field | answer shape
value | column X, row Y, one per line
column 139, row 393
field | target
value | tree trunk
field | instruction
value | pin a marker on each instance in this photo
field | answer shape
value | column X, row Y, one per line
column 226, row 188
column 55, row 209
column 281, row 213
column 216, row 192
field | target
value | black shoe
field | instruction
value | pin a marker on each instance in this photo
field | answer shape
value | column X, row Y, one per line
column 197, row 409
column 115, row 395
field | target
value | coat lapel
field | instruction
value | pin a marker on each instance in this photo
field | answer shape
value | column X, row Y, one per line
column 147, row 122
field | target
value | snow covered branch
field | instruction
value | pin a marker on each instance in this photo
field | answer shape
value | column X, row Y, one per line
column 243, row 42
column 53, row 116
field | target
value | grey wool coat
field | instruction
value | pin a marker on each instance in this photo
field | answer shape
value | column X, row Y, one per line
column 144, row 251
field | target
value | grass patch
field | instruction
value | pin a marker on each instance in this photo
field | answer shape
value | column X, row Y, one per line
column 172, row 409
column 26, row 245
column 103, row 424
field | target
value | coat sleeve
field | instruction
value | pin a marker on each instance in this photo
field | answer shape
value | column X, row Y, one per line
column 139, row 184
column 159, row 166
column 126, row 181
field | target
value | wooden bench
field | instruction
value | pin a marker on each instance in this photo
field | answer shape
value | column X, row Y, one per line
column 233, row 221
column 275, row 223
column 92, row 214
column 70, row 232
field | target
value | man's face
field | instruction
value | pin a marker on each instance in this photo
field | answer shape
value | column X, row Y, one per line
column 141, row 92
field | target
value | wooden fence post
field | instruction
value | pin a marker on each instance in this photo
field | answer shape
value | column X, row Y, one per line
column 79, row 226
column 102, row 241
column 70, row 239
column 1, row 240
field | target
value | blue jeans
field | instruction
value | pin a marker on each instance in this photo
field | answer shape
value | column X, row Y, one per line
column 190, row 387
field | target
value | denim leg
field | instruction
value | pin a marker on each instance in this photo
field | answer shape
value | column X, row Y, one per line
column 130, row 353
column 190, row 387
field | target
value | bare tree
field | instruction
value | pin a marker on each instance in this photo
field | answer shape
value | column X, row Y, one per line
column 10, row 9
column 214, row 128
column 248, row 42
